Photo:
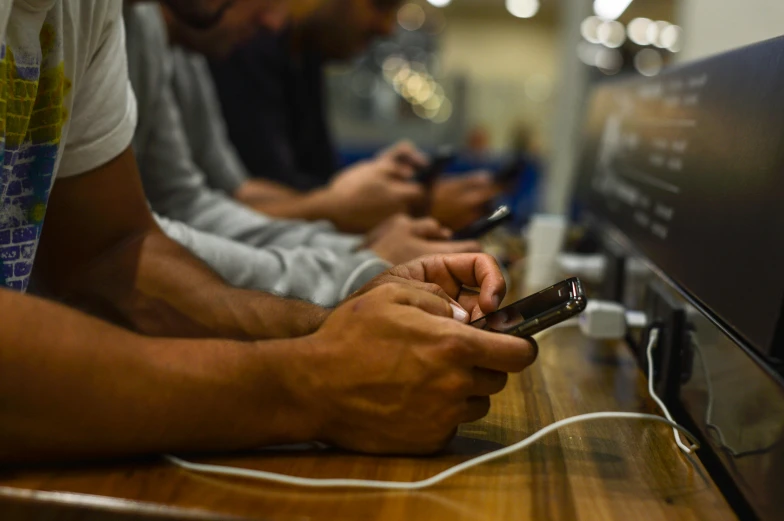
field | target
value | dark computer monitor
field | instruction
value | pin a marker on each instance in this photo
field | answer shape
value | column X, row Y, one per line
column 689, row 165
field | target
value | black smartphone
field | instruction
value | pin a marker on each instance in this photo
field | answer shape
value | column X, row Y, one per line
column 428, row 175
column 484, row 225
column 538, row 312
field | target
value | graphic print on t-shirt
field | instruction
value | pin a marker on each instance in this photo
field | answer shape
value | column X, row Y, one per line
column 32, row 89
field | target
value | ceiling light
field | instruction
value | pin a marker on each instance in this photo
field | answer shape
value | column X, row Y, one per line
column 610, row 9
column 522, row 8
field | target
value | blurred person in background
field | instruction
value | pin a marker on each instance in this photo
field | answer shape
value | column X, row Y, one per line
column 272, row 94
column 478, row 141
column 248, row 249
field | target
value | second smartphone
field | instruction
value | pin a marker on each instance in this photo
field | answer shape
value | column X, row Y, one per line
column 484, row 225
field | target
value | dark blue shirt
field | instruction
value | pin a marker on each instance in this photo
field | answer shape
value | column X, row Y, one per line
column 273, row 103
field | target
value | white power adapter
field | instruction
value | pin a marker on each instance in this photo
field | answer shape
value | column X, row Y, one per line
column 605, row 320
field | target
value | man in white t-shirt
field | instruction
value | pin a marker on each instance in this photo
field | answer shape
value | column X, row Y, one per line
column 391, row 370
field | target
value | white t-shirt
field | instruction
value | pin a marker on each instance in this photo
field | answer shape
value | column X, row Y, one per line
column 66, row 107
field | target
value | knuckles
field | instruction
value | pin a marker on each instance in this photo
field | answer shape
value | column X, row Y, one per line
column 456, row 386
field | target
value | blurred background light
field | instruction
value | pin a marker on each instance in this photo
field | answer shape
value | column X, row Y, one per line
column 648, row 62
column 590, row 28
column 655, row 31
column 444, row 113
column 411, row 17
column 587, row 52
column 611, row 34
column 523, row 8
column 638, row 31
column 440, row 3
column 671, row 38
column 609, row 61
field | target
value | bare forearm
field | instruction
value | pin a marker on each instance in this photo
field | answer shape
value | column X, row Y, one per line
column 103, row 249
column 255, row 191
column 75, row 387
column 162, row 290
column 313, row 206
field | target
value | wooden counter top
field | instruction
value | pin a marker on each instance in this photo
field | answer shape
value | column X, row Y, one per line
column 604, row 470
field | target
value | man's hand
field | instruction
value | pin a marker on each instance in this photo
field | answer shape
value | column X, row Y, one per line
column 459, row 201
column 400, row 239
column 391, row 371
column 364, row 195
column 450, row 277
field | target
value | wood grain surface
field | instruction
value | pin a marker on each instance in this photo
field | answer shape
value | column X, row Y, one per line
column 607, row 470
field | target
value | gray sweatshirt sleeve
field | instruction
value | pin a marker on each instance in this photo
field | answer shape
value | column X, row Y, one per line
column 176, row 187
column 203, row 122
column 317, row 275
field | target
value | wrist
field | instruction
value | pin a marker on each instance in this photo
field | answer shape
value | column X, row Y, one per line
column 329, row 204
column 297, row 412
column 313, row 320
column 252, row 315
column 322, row 203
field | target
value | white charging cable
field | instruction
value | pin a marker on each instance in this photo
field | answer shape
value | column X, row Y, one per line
column 429, row 482
column 441, row 476
column 653, row 340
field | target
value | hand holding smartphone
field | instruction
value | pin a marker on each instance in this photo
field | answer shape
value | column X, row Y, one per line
column 428, row 175
column 537, row 312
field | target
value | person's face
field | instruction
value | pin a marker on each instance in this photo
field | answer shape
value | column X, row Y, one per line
column 218, row 27
column 341, row 29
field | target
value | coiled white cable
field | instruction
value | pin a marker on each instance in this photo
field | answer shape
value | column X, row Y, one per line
column 441, row 476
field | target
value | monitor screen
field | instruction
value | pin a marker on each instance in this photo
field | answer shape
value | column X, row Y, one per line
column 689, row 165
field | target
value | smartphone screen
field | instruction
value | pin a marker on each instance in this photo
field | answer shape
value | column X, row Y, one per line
column 484, row 225
column 537, row 312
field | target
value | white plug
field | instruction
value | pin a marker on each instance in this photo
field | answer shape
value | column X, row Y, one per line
column 604, row 320
column 592, row 267
column 589, row 268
